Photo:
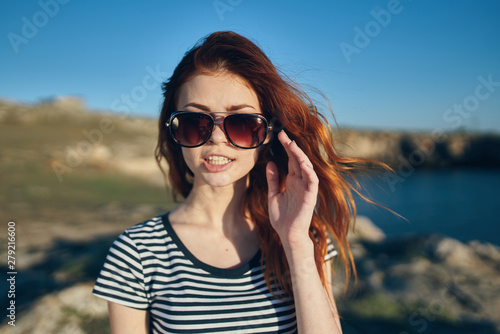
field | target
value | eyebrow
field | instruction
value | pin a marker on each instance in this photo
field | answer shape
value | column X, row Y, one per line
column 239, row 106
column 231, row 108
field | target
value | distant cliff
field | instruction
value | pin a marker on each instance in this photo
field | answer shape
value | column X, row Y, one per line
column 431, row 149
column 423, row 150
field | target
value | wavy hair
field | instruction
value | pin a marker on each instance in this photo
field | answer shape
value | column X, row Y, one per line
column 291, row 109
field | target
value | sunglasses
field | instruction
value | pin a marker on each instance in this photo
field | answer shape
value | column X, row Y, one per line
column 193, row 129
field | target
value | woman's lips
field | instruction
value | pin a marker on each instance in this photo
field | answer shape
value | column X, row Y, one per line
column 217, row 163
column 218, row 160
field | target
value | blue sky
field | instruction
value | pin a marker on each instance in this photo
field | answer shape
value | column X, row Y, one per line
column 383, row 64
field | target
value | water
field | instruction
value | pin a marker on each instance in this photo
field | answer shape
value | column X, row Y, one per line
column 463, row 204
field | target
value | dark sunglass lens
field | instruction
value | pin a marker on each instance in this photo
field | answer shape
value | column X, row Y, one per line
column 247, row 131
column 191, row 129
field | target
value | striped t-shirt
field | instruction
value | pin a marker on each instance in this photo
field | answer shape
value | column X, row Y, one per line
column 149, row 268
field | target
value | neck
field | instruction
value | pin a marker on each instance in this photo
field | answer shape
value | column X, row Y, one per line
column 216, row 206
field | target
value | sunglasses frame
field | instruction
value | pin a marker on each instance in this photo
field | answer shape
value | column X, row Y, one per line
column 267, row 125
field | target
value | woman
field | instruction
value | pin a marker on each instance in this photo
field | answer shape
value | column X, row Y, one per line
column 249, row 248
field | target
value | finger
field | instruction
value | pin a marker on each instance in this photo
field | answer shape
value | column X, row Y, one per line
column 298, row 160
column 273, row 184
column 300, row 156
column 293, row 163
column 309, row 176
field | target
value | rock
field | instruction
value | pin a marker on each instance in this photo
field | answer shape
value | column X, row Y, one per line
column 486, row 251
column 100, row 154
column 365, row 230
column 452, row 252
column 433, row 277
column 72, row 310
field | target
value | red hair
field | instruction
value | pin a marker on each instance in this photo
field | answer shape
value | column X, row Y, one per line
column 290, row 109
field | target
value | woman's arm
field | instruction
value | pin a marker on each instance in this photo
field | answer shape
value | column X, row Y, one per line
column 329, row 289
column 290, row 213
column 315, row 313
column 127, row 320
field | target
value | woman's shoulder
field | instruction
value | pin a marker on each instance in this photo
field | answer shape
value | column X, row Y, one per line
column 148, row 229
column 147, row 225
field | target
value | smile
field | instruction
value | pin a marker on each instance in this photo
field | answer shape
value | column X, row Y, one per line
column 218, row 160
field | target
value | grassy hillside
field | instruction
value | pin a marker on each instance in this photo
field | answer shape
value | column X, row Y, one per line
column 48, row 165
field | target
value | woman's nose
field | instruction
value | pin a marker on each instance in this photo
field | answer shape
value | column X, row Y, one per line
column 218, row 135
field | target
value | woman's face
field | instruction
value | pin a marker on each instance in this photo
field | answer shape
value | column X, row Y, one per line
column 218, row 163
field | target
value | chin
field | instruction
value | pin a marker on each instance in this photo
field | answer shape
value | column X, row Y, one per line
column 219, row 180
column 223, row 179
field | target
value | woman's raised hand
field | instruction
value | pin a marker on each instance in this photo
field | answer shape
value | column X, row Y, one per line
column 291, row 211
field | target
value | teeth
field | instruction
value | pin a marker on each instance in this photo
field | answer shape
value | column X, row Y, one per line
column 217, row 160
